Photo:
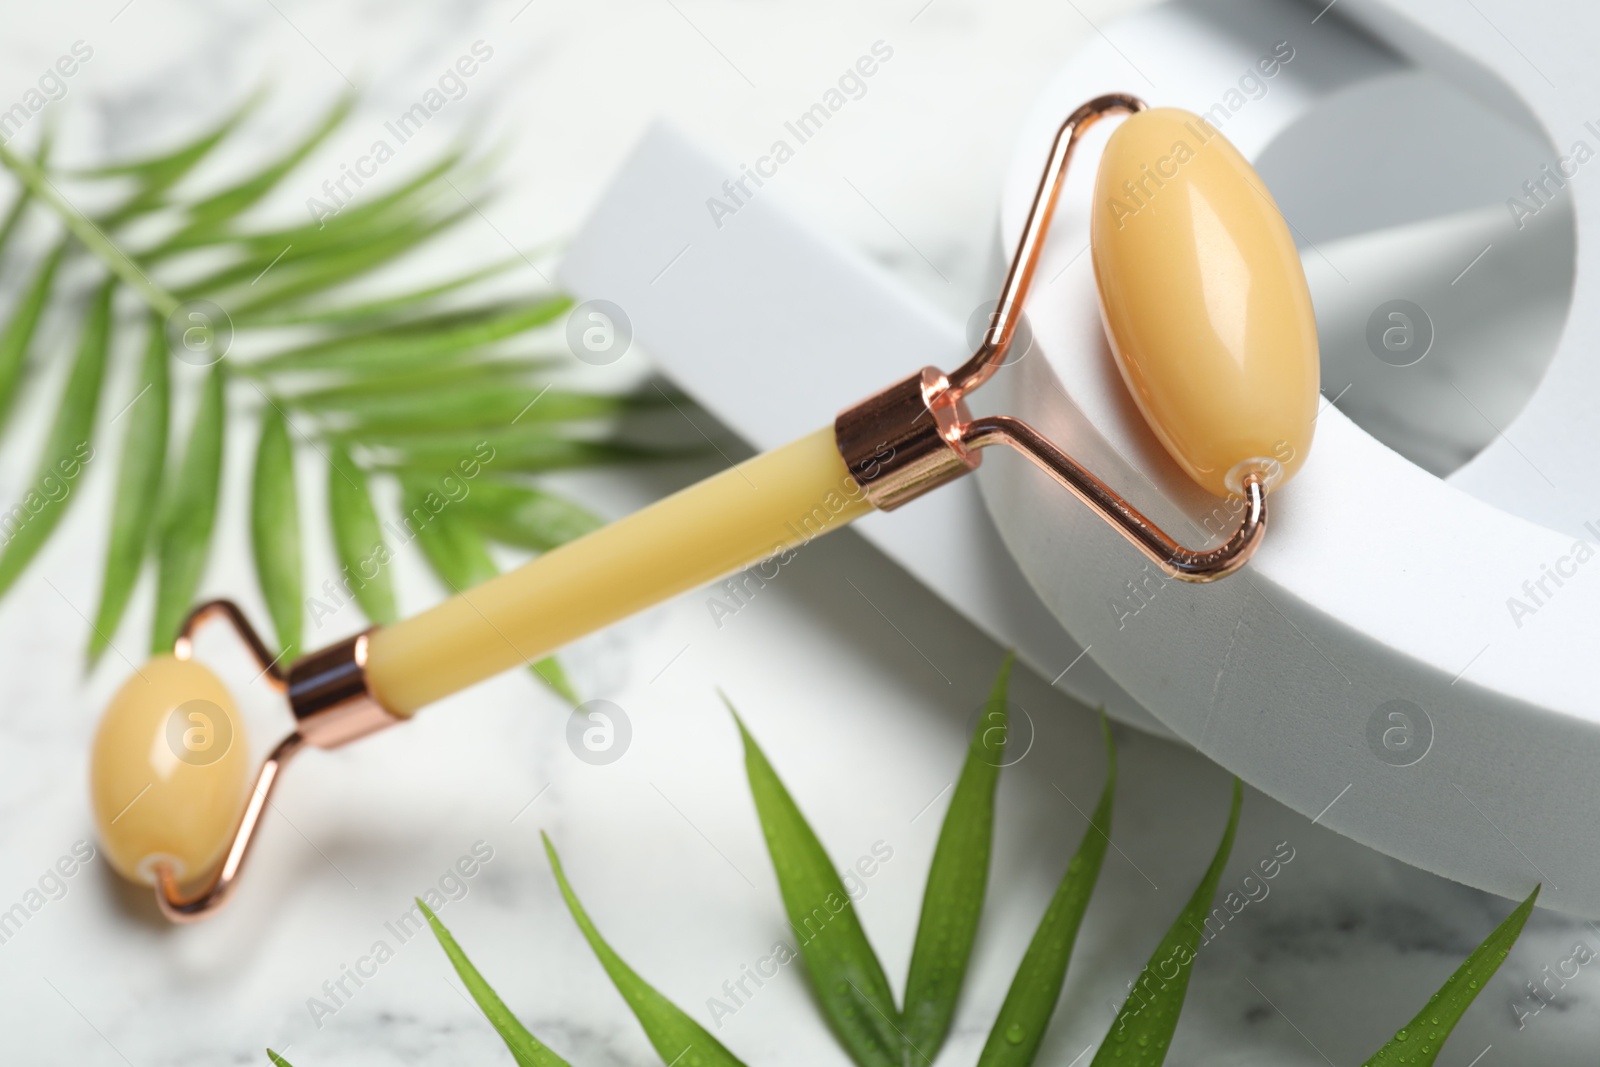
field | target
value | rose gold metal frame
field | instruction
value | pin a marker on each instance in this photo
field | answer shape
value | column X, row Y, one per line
column 332, row 706
column 914, row 436
column 918, row 434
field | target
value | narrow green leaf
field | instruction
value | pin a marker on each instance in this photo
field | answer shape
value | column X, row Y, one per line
column 677, row 1038
column 1144, row 1027
column 1419, row 1042
column 158, row 174
column 180, row 159
column 526, row 517
column 277, row 1060
column 209, row 214
column 1019, row 1028
column 189, row 514
column 20, row 328
column 358, row 538
column 251, row 265
column 528, row 1050
column 275, row 531
column 304, row 273
column 28, row 524
column 957, row 878
column 844, row 971
column 453, row 548
column 459, row 555
column 317, row 274
column 86, row 232
column 452, row 334
column 19, row 206
column 477, row 406
column 354, row 219
column 133, row 513
column 398, row 305
column 505, row 370
column 550, row 671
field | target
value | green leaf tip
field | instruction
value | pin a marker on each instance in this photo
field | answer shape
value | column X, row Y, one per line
column 844, row 971
column 1418, row 1043
column 528, row 1050
column 1142, row 1032
column 1020, row 1026
column 958, row 876
column 675, row 1036
column 277, row 1060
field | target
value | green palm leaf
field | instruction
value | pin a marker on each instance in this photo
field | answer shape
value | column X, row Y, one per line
column 358, row 538
column 312, row 275
column 167, row 167
column 1030, row 1002
column 134, row 510
column 190, row 514
column 24, row 197
column 521, row 515
column 382, row 308
column 528, row 1050
column 156, row 175
column 448, row 334
column 844, row 971
column 28, row 524
column 1419, row 1043
column 209, row 215
column 17, row 337
column 351, row 391
column 474, row 405
column 275, row 530
column 389, row 383
column 676, row 1037
column 957, row 880
column 1143, row 1029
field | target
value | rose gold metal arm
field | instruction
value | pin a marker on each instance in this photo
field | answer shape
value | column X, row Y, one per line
column 181, row 907
column 229, row 612
column 919, row 434
column 997, row 339
column 1177, row 561
column 332, row 706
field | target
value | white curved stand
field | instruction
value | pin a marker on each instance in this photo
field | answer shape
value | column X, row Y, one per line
column 1379, row 581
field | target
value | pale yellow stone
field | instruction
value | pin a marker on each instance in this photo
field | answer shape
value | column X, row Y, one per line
column 1204, row 299
column 167, row 772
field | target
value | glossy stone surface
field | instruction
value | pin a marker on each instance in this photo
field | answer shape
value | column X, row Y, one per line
column 167, row 772
column 1204, row 300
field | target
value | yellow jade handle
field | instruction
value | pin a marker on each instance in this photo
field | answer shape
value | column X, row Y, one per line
column 757, row 509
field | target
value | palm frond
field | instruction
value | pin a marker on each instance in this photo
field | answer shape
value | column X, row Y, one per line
column 380, row 385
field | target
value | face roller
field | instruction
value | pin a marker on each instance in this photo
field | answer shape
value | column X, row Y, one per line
column 1211, row 325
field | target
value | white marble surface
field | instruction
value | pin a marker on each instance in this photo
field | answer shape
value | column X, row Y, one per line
column 864, row 719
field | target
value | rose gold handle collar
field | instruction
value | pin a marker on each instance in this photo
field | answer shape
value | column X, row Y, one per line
column 332, row 705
